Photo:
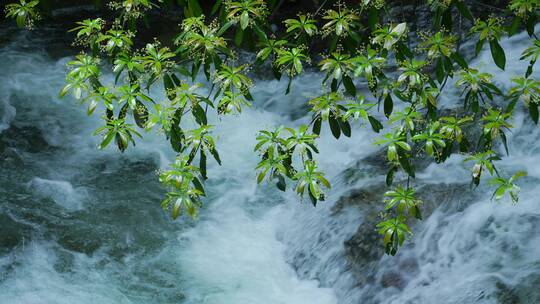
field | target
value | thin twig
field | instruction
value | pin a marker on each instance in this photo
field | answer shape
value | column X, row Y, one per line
column 318, row 9
column 489, row 6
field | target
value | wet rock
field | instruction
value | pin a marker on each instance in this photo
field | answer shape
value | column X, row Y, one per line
column 365, row 249
column 364, row 198
column 450, row 197
column 65, row 262
column 525, row 292
column 79, row 240
column 409, row 265
column 417, row 15
column 28, row 139
column 506, row 295
column 12, row 233
column 392, row 279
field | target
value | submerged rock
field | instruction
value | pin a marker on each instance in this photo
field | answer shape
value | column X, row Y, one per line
column 525, row 292
column 27, row 138
column 12, row 233
column 365, row 250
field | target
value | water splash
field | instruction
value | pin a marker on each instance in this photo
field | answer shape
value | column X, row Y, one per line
column 252, row 244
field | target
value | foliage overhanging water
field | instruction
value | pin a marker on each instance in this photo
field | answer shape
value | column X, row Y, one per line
column 78, row 225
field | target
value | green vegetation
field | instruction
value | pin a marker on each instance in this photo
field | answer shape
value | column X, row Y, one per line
column 361, row 43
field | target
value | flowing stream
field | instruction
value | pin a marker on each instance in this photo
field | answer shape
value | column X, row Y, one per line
column 79, row 225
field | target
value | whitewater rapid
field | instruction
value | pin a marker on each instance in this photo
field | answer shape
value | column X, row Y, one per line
column 79, row 225
column 104, row 238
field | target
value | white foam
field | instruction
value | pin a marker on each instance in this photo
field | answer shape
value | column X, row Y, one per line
column 243, row 249
column 62, row 192
column 7, row 113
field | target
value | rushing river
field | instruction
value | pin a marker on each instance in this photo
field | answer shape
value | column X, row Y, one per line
column 79, row 225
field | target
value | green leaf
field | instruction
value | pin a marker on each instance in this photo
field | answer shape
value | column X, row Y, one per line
column 140, row 114
column 459, row 60
column 20, row 20
column 247, row 95
column 195, row 8
column 375, row 124
column 65, row 90
column 464, row 145
column 121, row 141
column 349, row 85
column 405, row 164
column 448, row 66
column 429, row 147
column 405, row 146
column 439, row 71
column 373, row 17
column 530, row 69
column 317, row 126
column 505, row 144
column 334, row 85
column 497, row 53
column 533, row 111
column 447, row 19
column 417, row 213
column 216, row 7
column 391, row 152
column 345, row 127
column 107, row 140
column 478, row 46
column 288, row 90
column 464, row 10
column 281, row 185
column 206, row 69
column 390, row 175
column 313, row 199
column 514, row 27
column 259, row 32
column 333, row 43
column 195, row 69
column 388, row 105
column 215, row 154
column 199, row 115
column 404, row 50
column 244, row 20
column 123, row 111
column 176, row 209
column 499, row 193
column 176, row 138
column 238, row 36
column 202, row 164
column 198, row 185
column 168, row 83
column 260, row 176
column 334, row 126
column 276, row 72
column 297, row 65
column 531, row 21
column 225, row 27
